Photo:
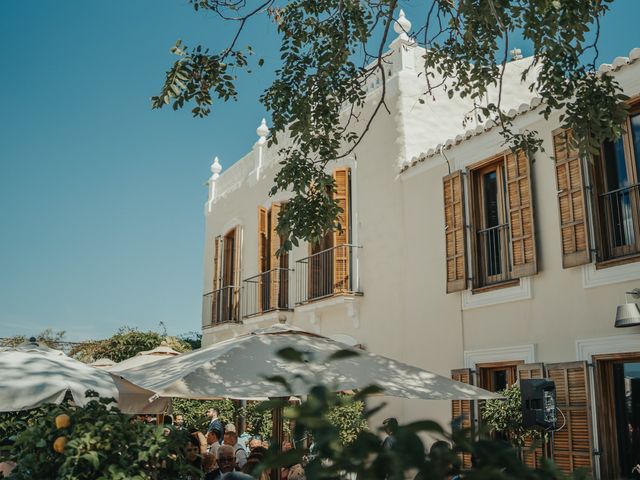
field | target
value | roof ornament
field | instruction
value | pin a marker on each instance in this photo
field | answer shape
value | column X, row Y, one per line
column 516, row 54
column 216, row 168
column 402, row 26
column 262, row 132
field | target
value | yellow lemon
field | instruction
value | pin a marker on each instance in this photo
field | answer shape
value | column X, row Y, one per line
column 59, row 444
column 63, row 421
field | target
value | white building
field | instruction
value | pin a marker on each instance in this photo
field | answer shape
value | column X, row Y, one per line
column 532, row 292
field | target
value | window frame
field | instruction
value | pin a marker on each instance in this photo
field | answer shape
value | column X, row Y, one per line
column 481, row 281
column 607, row 253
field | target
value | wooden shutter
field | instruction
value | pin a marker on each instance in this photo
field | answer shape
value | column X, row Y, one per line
column 462, row 410
column 274, row 264
column 237, row 278
column 531, row 457
column 218, row 248
column 574, row 230
column 572, row 443
column 520, row 215
column 454, row 231
column 262, row 253
column 341, row 260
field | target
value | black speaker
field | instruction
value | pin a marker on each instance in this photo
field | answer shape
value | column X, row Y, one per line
column 538, row 403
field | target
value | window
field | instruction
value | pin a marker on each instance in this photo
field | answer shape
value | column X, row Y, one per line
column 501, row 223
column 328, row 270
column 617, row 190
column 615, row 194
column 221, row 305
column 270, row 288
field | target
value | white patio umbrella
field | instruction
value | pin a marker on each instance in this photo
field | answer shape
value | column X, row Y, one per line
column 32, row 378
column 163, row 352
column 238, row 368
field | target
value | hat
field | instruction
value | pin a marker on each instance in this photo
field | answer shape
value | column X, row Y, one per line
column 230, row 428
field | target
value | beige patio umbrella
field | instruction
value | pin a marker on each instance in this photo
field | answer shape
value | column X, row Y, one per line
column 33, row 378
column 163, row 352
column 238, row 368
column 103, row 363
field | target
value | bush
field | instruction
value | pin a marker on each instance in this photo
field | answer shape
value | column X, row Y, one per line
column 94, row 442
column 195, row 411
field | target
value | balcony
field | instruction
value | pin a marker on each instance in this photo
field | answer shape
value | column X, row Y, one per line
column 221, row 306
column 619, row 216
column 266, row 292
column 493, row 255
column 328, row 273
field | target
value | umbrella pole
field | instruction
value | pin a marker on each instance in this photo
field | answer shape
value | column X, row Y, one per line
column 277, row 434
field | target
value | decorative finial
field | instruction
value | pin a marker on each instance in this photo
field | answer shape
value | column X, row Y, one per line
column 216, row 168
column 402, row 26
column 516, row 54
column 262, row 131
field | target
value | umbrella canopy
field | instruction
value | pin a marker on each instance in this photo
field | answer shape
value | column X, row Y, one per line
column 32, row 345
column 238, row 368
column 32, row 378
column 162, row 352
column 103, row 363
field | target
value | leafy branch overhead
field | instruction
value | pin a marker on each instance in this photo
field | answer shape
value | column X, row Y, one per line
column 331, row 48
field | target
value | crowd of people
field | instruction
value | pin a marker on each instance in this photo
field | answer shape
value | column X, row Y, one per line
column 220, row 453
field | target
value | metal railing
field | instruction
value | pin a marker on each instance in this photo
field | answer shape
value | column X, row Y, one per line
column 221, row 306
column 266, row 291
column 493, row 255
column 619, row 217
column 333, row 271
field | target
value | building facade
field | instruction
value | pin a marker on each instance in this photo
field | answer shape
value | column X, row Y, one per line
column 456, row 256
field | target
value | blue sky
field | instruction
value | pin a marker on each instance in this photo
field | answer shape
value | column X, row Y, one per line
column 101, row 198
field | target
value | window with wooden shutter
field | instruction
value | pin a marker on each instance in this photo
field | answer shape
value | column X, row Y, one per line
column 520, row 214
column 455, row 235
column 217, row 262
column 237, row 277
column 341, row 238
column 572, row 442
column 462, row 410
column 532, row 457
column 574, row 230
column 263, row 258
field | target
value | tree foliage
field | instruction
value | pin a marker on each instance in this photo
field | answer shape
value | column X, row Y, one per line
column 505, row 416
column 330, row 48
column 94, row 442
column 126, row 343
column 195, row 411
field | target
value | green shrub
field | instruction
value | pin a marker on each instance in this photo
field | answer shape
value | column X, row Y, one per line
column 195, row 411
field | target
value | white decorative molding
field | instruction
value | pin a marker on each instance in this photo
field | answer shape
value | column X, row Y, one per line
column 500, row 354
column 271, row 317
column 234, row 222
column 592, row 277
column 588, row 347
column 522, row 291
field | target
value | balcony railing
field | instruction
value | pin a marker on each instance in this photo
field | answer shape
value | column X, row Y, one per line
column 494, row 264
column 333, row 271
column 221, row 306
column 266, row 292
column 619, row 216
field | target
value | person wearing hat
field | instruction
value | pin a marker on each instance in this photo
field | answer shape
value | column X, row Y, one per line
column 231, row 439
column 390, row 426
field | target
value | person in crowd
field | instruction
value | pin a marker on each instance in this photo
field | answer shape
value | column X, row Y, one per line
column 231, row 439
column 250, row 468
column 390, row 426
column 210, row 467
column 226, row 459
column 296, row 473
column 254, row 443
column 192, row 453
column 178, row 421
column 214, row 421
column 213, row 441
